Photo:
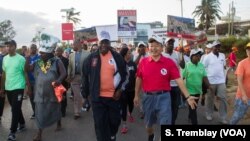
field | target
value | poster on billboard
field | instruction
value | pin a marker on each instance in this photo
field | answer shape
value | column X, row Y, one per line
column 184, row 28
column 180, row 27
column 67, row 31
column 126, row 23
column 110, row 29
column 86, row 34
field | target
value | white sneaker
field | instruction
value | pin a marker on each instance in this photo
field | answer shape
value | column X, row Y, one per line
column 224, row 121
column 209, row 117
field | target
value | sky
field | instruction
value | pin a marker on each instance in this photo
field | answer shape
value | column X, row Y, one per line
column 29, row 16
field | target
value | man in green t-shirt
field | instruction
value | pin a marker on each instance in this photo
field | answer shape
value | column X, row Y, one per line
column 14, row 78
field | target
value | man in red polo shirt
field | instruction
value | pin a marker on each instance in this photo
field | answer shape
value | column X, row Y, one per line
column 153, row 75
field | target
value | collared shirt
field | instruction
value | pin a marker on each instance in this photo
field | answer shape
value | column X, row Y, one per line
column 215, row 68
column 156, row 76
column 194, row 75
column 77, row 61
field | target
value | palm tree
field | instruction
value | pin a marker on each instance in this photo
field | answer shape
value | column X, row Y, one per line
column 207, row 12
column 71, row 16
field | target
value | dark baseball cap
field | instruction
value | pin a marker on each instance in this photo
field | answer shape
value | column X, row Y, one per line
column 11, row 42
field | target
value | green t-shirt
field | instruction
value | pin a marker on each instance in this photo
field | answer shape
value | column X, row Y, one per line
column 13, row 66
column 194, row 75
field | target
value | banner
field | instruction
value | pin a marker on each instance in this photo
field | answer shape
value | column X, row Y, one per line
column 86, row 34
column 161, row 32
column 184, row 28
column 126, row 23
column 110, row 29
column 67, row 31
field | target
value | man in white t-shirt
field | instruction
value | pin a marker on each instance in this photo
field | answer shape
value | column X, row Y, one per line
column 215, row 64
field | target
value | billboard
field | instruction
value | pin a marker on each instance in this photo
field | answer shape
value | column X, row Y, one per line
column 126, row 23
column 67, row 31
column 110, row 29
column 180, row 27
column 184, row 28
column 86, row 34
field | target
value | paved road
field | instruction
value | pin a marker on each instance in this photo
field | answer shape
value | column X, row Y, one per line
column 83, row 128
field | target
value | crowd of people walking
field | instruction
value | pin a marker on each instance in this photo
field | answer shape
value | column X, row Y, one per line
column 156, row 77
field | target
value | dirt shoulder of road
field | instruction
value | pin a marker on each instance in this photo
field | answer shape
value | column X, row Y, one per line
column 231, row 91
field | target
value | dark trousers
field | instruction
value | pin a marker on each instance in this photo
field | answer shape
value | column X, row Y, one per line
column 107, row 118
column 192, row 115
column 32, row 99
column 127, row 100
column 64, row 103
column 175, row 102
column 15, row 98
column 2, row 101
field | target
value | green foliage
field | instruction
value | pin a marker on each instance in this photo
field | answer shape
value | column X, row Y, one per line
column 7, row 31
column 207, row 12
column 19, row 50
column 232, row 41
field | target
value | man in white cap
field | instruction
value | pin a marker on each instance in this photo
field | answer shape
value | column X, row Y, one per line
column 215, row 65
column 141, row 52
column 153, row 76
column 104, row 73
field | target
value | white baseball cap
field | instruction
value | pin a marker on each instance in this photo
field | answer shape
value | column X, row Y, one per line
column 215, row 43
column 155, row 38
column 209, row 45
column 195, row 52
column 104, row 35
column 141, row 43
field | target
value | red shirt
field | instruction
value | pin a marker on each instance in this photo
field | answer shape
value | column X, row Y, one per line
column 232, row 57
column 156, row 76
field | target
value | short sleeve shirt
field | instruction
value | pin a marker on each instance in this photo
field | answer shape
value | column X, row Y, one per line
column 215, row 68
column 243, row 70
column 13, row 66
column 194, row 75
column 156, row 75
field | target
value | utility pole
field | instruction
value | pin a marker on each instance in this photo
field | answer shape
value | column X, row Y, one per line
column 233, row 14
column 229, row 19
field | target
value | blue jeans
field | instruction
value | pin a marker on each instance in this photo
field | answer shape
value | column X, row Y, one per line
column 240, row 110
column 157, row 109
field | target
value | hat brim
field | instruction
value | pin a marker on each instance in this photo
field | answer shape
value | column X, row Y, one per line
column 247, row 47
column 151, row 40
column 44, row 50
column 104, row 40
column 197, row 53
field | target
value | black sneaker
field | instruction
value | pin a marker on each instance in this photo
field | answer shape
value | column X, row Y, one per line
column 11, row 137
column 21, row 128
column 151, row 137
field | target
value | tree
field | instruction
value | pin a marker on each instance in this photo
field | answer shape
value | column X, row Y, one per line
column 7, row 31
column 207, row 12
column 71, row 15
